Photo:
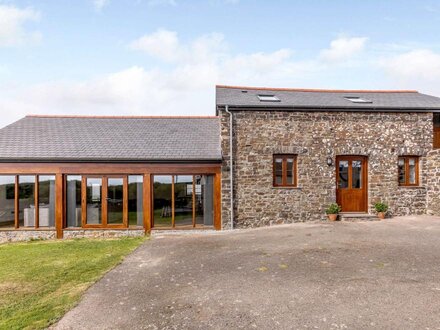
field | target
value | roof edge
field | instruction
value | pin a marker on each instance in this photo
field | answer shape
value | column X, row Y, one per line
column 317, row 90
column 110, row 160
column 120, row 117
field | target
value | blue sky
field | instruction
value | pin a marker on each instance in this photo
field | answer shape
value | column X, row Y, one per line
column 164, row 57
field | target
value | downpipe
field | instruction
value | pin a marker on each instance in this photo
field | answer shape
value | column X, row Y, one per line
column 231, row 167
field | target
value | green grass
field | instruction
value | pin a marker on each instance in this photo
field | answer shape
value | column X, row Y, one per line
column 40, row 281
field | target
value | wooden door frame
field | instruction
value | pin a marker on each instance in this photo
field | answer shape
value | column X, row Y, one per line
column 104, row 203
column 364, row 177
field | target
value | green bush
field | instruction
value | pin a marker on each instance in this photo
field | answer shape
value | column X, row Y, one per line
column 381, row 207
column 333, row 209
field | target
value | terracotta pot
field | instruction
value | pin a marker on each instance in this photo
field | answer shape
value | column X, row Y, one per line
column 332, row 217
column 381, row 215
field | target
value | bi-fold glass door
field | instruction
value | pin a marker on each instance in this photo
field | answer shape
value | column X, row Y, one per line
column 105, row 201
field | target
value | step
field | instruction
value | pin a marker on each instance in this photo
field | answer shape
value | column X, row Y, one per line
column 358, row 217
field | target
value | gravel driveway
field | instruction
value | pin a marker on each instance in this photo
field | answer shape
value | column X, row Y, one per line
column 341, row 275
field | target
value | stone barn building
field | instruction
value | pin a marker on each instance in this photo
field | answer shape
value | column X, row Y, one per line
column 295, row 151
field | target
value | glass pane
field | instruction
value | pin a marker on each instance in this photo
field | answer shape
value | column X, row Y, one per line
column 7, row 201
column 356, row 174
column 343, row 174
column 73, row 200
column 115, row 201
column 290, row 178
column 94, row 200
column 162, row 193
column 135, row 200
column 401, row 166
column 412, row 171
column 204, row 186
column 46, row 200
column 278, row 170
column 26, row 193
column 183, row 200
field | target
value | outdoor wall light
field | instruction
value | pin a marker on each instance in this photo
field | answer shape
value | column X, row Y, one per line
column 329, row 161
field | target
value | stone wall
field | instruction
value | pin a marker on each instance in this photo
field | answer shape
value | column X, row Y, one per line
column 433, row 182
column 314, row 136
column 25, row 235
column 102, row 233
column 28, row 235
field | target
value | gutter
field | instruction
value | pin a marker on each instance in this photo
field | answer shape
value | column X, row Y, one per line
column 231, row 166
column 273, row 107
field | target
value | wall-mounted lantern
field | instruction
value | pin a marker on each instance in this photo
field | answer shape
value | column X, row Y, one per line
column 329, row 161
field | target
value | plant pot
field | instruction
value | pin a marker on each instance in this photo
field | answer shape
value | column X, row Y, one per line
column 381, row 215
column 332, row 217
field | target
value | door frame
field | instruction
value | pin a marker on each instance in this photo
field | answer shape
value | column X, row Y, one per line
column 104, row 201
column 364, row 179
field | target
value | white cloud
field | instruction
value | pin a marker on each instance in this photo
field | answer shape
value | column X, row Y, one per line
column 12, row 26
column 162, row 44
column 415, row 64
column 415, row 69
column 100, row 4
column 162, row 2
column 343, row 48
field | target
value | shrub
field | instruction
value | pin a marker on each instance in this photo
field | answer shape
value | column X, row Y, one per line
column 333, row 209
column 381, row 207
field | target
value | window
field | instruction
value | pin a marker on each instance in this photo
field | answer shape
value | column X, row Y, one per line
column 284, row 171
column 183, row 200
column 27, row 201
column 408, row 171
column 268, row 98
column 357, row 99
column 436, row 124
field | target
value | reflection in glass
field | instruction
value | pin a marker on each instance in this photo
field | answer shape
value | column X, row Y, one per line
column 73, row 200
column 26, row 193
column 204, row 191
column 7, row 201
column 278, row 171
column 343, row 174
column 356, row 174
column 290, row 171
column 115, row 201
column 46, row 200
column 135, row 199
column 162, row 200
column 401, row 166
column 93, row 200
column 412, row 170
column 183, row 200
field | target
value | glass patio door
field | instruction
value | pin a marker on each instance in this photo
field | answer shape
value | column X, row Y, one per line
column 105, row 201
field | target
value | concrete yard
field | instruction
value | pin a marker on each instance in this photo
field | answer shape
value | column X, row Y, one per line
column 343, row 275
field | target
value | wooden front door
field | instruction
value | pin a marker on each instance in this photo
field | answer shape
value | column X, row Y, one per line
column 351, row 183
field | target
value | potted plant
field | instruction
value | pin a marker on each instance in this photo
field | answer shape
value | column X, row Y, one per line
column 332, row 211
column 381, row 209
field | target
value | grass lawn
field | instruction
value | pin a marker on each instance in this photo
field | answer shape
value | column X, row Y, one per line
column 42, row 280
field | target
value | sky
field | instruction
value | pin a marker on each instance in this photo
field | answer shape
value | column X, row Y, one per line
column 164, row 57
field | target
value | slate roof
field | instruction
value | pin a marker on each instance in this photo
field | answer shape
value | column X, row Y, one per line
column 315, row 99
column 63, row 138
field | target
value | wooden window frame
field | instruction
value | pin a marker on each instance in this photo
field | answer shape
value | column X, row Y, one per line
column 173, row 221
column 104, row 202
column 284, row 158
column 406, row 167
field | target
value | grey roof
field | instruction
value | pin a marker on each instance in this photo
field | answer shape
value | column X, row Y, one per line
column 247, row 97
column 54, row 138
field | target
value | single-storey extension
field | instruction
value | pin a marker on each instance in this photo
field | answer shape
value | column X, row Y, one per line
column 67, row 176
column 269, row 156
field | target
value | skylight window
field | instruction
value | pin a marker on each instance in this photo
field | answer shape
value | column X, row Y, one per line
column 268, row 98
column 357, row 99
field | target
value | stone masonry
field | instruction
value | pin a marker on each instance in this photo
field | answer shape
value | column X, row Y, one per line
column 314, row 136
column 28, row 235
